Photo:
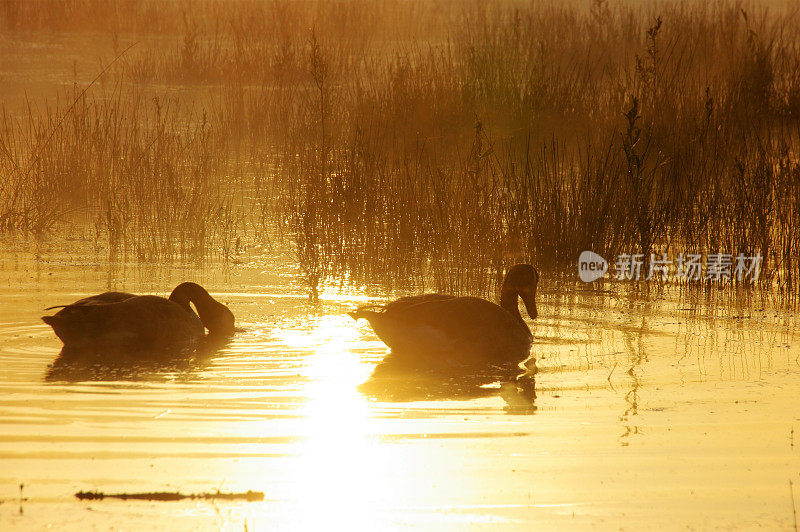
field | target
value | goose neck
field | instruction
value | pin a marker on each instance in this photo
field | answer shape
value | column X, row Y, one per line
column 508, row 300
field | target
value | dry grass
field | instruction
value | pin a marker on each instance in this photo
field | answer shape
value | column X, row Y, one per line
column 148, row 174
column 435, row 143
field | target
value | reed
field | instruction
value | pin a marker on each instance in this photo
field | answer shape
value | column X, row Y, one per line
column 497, row 147
column 147, row 173
column 435, row 143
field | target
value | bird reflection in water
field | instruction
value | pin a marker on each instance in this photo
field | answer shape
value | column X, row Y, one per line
column 117, row 335
column 444, row 346
column 91, row 364
column 394, row 381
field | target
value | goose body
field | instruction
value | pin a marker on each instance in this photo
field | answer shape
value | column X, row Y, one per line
column 438, row 328
column 123, row 321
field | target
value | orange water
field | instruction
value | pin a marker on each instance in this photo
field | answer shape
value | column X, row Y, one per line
column 660, row 410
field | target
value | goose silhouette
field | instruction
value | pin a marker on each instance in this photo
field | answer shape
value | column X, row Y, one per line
column 127, row 322
column 433, row 329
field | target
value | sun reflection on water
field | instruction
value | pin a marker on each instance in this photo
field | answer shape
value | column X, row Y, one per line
column 339, row 474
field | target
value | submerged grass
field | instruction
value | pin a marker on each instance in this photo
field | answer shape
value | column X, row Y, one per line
column 431, row 143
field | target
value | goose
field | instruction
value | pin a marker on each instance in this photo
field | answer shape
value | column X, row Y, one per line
column 431, row 329
column 127, row 322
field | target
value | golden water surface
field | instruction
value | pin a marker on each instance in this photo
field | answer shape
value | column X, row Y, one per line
column 654, row 410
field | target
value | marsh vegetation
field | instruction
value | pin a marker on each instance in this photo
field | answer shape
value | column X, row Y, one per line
column 401, row 146
column 412, row 143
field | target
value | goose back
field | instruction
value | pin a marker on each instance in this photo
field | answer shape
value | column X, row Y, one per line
column 446, row 328
column 119, row 321
column 434, row 328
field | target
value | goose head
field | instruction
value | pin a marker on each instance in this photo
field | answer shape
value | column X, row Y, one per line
column 216, row 317
column 520, row 281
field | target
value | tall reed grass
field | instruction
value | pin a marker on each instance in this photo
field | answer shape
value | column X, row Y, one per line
column 535, row 133
column 435, row 143
column 147, row 173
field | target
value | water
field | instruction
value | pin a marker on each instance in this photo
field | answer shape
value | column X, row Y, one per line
column 662, row 410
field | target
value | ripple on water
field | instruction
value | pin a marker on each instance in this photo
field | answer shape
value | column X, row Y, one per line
column 637, row 401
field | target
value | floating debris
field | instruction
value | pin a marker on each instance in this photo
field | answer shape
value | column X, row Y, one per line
column 170, row 496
